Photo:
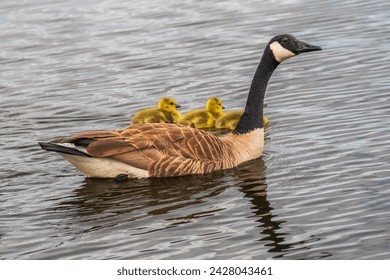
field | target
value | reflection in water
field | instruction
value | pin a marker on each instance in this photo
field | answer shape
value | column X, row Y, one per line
column 159, row 195
column 155, row 205
column 253, row 184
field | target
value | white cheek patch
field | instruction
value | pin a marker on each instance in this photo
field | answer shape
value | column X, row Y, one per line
column 279, row 52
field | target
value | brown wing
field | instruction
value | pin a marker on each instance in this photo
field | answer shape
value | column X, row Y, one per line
column 95, row 135
column 162, row 149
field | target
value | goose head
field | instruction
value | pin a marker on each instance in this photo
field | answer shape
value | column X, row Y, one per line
column 214, row 105
column 168, row 104
column 285, row 46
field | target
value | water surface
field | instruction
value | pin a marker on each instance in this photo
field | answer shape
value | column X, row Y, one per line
column 321, row 190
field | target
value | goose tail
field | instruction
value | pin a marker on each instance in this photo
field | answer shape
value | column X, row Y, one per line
column 93, row 167
column 62, row 149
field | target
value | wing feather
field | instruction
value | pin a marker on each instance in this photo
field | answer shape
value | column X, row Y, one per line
column 161, row 149
column 109, row 147
column 98, row 134
column 138, row 159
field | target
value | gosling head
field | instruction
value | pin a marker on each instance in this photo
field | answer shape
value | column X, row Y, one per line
column 168, row 104
column 214, row 105
column 285, row 46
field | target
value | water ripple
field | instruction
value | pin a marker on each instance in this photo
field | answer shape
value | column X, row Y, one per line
column 320, row 190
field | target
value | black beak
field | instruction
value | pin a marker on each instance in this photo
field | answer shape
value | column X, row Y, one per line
column 223, row 107
column 177, row 106
column 305, row 47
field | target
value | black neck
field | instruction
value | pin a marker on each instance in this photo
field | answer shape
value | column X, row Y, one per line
column 252, row 117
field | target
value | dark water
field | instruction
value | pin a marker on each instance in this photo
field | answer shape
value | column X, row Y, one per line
column 321, row 189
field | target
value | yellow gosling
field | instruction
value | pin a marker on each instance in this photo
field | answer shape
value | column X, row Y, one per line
column 165, row 113
column 204, row 118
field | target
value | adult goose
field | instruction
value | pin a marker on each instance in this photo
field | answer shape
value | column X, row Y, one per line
column 161, row 150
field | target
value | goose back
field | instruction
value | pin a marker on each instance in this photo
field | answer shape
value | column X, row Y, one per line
column 168, row 149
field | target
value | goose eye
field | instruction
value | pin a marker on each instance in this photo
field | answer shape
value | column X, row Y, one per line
column 285, row 40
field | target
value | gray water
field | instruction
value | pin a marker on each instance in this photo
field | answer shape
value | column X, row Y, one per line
column 321, row 190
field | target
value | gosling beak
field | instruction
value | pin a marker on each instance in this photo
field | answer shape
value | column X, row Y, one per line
column 305, row 47
column 177, row 106
column 223, row 107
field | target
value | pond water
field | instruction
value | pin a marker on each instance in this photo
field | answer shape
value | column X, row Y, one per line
column 320, row 191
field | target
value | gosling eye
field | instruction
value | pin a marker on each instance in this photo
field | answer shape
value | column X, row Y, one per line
column 285, row 40
column 172, row 103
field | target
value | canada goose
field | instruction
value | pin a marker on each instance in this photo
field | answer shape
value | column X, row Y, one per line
column 165, row 113
column 230, row 119
column 204, row 118
column 161, row 150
